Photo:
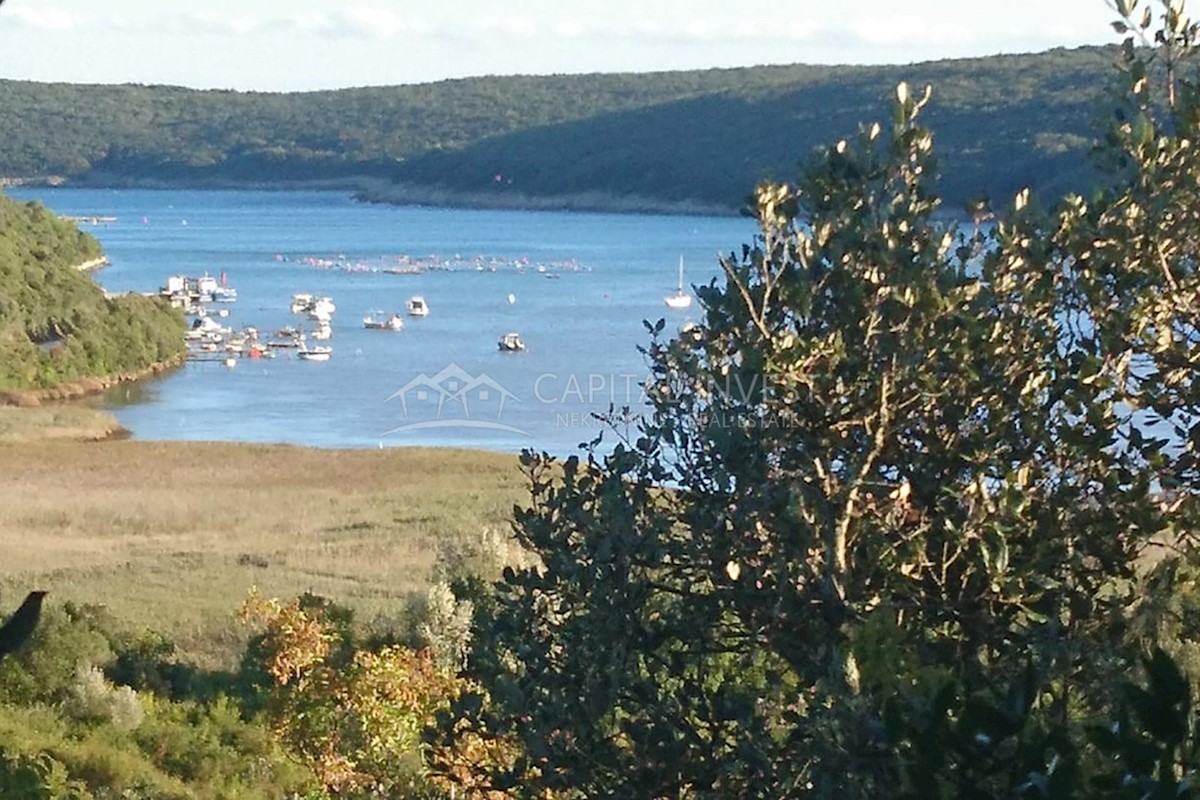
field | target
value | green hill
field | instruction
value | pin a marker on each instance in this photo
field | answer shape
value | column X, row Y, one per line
column 703, row 137
column 56, row 324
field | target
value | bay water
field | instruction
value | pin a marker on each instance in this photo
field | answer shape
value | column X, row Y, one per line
column 575, row 286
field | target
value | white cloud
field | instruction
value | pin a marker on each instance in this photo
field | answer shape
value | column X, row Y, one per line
column 42, row 19
column 370, row 22
column 911, row 30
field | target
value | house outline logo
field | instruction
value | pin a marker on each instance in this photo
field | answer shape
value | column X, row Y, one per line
column 453, row 386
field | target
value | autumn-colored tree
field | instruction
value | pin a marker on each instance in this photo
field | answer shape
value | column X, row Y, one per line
column 358, row 721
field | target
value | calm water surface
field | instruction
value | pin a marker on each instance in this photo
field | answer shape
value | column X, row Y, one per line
column 440, row 381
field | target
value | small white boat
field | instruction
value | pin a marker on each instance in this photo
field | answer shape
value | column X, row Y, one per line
column 679, row 299
column 374, row 322
column 318, row 353
column 511, row 343
column 206, row 287
column 417, row 307
column 301, row 303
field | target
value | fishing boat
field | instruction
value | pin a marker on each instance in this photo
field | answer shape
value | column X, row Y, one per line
column 679, row 299
column 318, row 353
column 511, row 343
column 417, row 307
column 375, row 321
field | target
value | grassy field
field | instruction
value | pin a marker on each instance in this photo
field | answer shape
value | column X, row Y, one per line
column 172, row 535
column 57, row 421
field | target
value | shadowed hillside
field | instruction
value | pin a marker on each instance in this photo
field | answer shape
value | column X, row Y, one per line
column 700, row 137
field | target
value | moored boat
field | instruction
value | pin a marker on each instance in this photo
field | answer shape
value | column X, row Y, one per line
column 679, row 299
column 318, row 353
column 511, row 343
column 377, row 322
column 417, row 307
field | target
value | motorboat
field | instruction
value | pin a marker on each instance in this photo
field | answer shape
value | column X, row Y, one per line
column 220, row 291
column 679, row 299
column 323, row 331
column 417, row 307
column 318, row 353
column 286, row 337
column 511, row 343
column 206, row 329
column 318, row 308
column 205, row 286
column 377, row 322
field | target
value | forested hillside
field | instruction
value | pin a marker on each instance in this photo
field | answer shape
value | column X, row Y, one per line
column 55, row 322
column 702, row 136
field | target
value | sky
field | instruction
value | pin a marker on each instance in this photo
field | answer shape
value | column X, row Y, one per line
column 300, row 45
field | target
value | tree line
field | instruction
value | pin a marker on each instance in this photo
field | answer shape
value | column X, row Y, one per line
column 701, row 136
column 56, row 324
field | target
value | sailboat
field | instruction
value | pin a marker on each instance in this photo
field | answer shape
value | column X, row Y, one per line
column 679, row 299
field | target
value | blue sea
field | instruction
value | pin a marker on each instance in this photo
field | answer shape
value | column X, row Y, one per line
column 575, row 286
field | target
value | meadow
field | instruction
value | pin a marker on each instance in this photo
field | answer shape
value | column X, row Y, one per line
column 171, row 536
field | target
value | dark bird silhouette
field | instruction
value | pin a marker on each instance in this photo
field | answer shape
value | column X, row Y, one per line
column 20, row 625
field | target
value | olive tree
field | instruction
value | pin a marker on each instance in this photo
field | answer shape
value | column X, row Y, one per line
column 906, row 461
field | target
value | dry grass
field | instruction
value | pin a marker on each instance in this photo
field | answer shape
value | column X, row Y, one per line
column 172, row 535
column 70, row 422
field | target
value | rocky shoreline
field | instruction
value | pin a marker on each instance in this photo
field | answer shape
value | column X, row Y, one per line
column 595, row 202
column 82, row 387
column 376, row 190
column 93, row 264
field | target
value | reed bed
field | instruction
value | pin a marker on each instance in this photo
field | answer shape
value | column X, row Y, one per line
column 172, row 535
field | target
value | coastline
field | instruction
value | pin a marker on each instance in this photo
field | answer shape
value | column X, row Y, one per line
column 93, row 264
column 81, row 388
column 588, row 202
column 370, row 189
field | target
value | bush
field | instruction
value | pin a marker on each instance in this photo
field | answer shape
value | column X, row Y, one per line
column 92, row 698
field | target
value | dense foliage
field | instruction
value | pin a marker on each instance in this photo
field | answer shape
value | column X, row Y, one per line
column 55, row 322
column 913, row 515
column 89, row 711
column 700, row 136
column 319, row 706
column 888, row 528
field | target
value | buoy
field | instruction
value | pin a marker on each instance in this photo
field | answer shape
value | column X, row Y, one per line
column 512, row 298
column 231, row 361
